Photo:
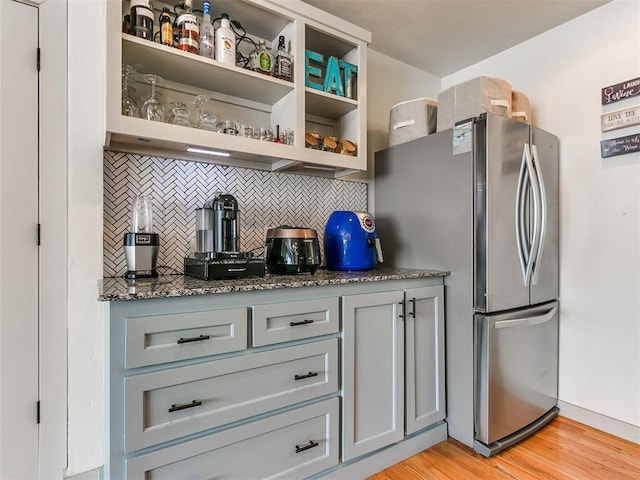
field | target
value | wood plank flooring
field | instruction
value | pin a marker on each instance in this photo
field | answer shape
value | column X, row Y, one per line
column 562, row 450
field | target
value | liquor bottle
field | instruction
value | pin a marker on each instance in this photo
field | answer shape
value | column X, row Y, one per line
column 261, row 59
column 166, row 27
column 141, row 19
column 206, row 32
column 225, row 42
column 283, row 62
column 188, row 30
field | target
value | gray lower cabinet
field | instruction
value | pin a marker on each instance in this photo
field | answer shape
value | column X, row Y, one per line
column 424, row 358
column 245, row 386
column 393, row 367
column 372, row 372
column 292, row 445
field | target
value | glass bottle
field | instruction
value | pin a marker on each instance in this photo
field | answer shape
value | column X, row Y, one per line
column 283, row 61
column 141, row 19
column 129, row 105
column 206, row 32
column 188, row 30
column 261, row 59
column 166, row 27
column 225, row 42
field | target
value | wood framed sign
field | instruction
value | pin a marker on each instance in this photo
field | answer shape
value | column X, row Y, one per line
column 621, row 91
column 620, row 146
column 620, row 118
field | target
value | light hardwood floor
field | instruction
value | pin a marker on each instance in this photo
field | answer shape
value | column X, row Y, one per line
column 562, row 450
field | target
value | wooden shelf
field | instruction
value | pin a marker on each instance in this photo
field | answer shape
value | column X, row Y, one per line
column 327, row 105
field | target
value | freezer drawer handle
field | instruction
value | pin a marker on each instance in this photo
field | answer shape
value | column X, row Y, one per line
column 309, row 445
column 308, row 375
column 523, row 322
column 193, row 339
column 303, row 322
column 184, row 406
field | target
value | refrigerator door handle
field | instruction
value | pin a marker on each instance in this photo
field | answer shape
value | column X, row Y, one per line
column 535, row 192
column 537, row 245
column 520, row 217
column 522, row 322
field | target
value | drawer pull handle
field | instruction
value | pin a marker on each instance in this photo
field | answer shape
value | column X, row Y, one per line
column 309, row 445
column 184, row 406
column 308, row 375
column 193, row 339
column 303, row 322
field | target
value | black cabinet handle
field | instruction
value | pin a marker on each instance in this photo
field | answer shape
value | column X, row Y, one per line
column 303, row 322
column 193, row 339
column 302, row 448
column 413, row 308
column 308, row 375
column 401, row 315
column 184, row 406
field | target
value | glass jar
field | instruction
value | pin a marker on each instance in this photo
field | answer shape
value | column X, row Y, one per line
column 179, row 114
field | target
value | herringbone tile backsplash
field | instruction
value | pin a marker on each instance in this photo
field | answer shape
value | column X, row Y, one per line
column 178, row 187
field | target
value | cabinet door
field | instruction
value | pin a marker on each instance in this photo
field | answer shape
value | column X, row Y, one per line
column 424, row 358
column 373, row 382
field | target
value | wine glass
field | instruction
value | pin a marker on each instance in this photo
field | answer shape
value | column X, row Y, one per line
column 152, row 109
column 129, row 105
column 205, row 121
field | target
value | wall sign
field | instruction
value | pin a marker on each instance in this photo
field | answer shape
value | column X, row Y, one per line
column 620, row 118
column 621, row 91
column 620, row 146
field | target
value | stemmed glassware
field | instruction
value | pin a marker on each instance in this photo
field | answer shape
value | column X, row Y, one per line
column 129, row 105
column 152, row 109
column 205, row 121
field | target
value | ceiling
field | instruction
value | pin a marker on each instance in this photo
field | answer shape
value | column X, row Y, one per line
column 444, row 36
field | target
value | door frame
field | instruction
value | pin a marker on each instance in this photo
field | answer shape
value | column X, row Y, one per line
column 53, row 250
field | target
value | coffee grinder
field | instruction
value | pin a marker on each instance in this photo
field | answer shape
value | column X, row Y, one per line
column 141, row 245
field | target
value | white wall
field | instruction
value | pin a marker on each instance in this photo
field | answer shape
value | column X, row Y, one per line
column 389, row 82
column 562, row 71
column 86, row 84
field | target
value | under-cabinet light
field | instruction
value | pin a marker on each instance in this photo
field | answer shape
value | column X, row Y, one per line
column 315, row 167
column 206, row 151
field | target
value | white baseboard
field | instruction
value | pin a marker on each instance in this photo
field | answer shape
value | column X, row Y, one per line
column 95, row 474
column 601, row 422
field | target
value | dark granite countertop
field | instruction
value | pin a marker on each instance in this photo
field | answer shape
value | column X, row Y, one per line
column 117, row 288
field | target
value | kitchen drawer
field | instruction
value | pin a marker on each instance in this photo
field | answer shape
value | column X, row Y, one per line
column 167, row 338
column 295, row 444
column 283, row 322
column 169, row 404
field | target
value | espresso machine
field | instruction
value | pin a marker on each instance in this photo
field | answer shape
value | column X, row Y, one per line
column 141, row 245
column 217, row 243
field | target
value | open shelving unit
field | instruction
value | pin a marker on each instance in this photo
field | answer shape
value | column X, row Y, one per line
column 243, row 95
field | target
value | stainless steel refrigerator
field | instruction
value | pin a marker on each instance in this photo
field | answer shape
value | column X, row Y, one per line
column 481, row 200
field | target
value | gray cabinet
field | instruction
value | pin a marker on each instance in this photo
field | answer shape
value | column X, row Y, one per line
column 255, row 392
column 393, row 367
column 424, row 358
column 372, row 372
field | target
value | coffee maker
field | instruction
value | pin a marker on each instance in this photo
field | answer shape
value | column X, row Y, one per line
column 141, row 245
column 217, row 244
